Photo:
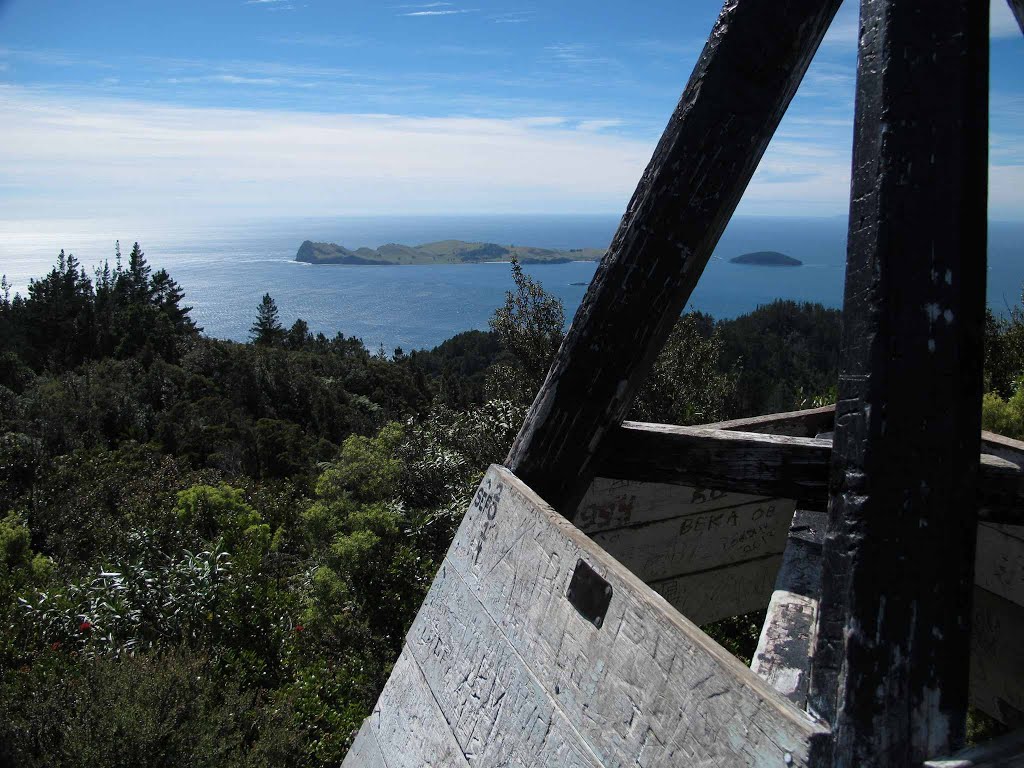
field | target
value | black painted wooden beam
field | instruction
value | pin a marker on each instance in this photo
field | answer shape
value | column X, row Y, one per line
column 891, row 657
column 1017, row 7
column 750, row 68
column 773, row 465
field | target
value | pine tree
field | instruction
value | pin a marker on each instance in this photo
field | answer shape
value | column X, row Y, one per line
column 267, row 330
column 133, row 282
column 298, row 335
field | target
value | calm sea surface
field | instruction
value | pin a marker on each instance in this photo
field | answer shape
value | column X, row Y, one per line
column 226, row 268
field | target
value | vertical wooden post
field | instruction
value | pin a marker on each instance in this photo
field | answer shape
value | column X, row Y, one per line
column 890, row 665
column 750, row 68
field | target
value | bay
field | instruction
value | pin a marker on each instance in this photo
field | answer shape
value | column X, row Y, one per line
column 226, row 267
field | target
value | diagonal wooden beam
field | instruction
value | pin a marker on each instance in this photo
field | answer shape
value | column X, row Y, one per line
column 1017, row 6
column 750, row 68
column 890, row 663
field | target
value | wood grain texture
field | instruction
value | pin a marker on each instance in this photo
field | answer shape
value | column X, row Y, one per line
column 500, row 714
column 890, row 665
column 766, row 466
column 648, row 688
column 754, row 59
column 744, row 462
column 804, row 423
column 783, row 655
column 365, row 751
column 997, row 658
column 1003, row 447
column 409, row 726
column 615, row 503
column 718, row 593
column 999, row 562
column 699, row 542
column 997, row 637
column 712, row 554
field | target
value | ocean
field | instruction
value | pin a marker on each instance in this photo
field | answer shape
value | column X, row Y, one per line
column 225, row 268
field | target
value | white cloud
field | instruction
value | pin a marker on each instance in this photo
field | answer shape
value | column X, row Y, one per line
column 450, row 12
column 98, row 157
column 599, row 125
column 94, row 157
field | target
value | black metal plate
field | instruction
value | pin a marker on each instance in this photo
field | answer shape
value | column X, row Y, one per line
column 589, row 593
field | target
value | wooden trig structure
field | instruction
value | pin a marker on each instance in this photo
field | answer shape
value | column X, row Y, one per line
column 885, row 535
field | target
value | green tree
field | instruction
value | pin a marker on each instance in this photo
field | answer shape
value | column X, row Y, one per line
column 299, row 335
column 267, row 330
column 530, row 326
column 687, row 384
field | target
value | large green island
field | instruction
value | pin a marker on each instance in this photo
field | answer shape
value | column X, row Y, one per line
column 442, row 252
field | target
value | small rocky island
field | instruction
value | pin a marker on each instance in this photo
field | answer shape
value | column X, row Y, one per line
column 767, row 259
column 442, row 252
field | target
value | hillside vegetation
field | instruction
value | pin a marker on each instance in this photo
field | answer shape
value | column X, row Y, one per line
column 210, row 551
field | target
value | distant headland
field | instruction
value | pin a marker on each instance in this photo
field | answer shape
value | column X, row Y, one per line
column 443, row 252
column 767, row 259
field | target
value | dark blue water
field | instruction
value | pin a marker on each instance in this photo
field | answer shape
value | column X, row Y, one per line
column 226, row 268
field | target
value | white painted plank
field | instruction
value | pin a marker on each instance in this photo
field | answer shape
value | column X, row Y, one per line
column 365, row 751
column 499, row 713
column 719, row 593
column 648, row 688
column 999, row 561
column 613, row 504
column 410, row 728
column 701, row 541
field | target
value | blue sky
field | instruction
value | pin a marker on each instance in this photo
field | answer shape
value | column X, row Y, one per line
column 319, row 107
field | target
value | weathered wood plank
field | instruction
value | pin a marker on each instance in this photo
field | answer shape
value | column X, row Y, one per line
column 1005, row 752
column 365, row 751
column 615, row 503
column 702, row 550
column 499, row 713
column 806, row 423
column 698, row 542
column 1003, row 447
column 997, row 657
column 770, row 466
column 997, row 638
column 744, row 462
column 783, row 655
column 718, row 593
column 410, row 728
column 647, row 688
column 999, row 562
column 754, row 59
